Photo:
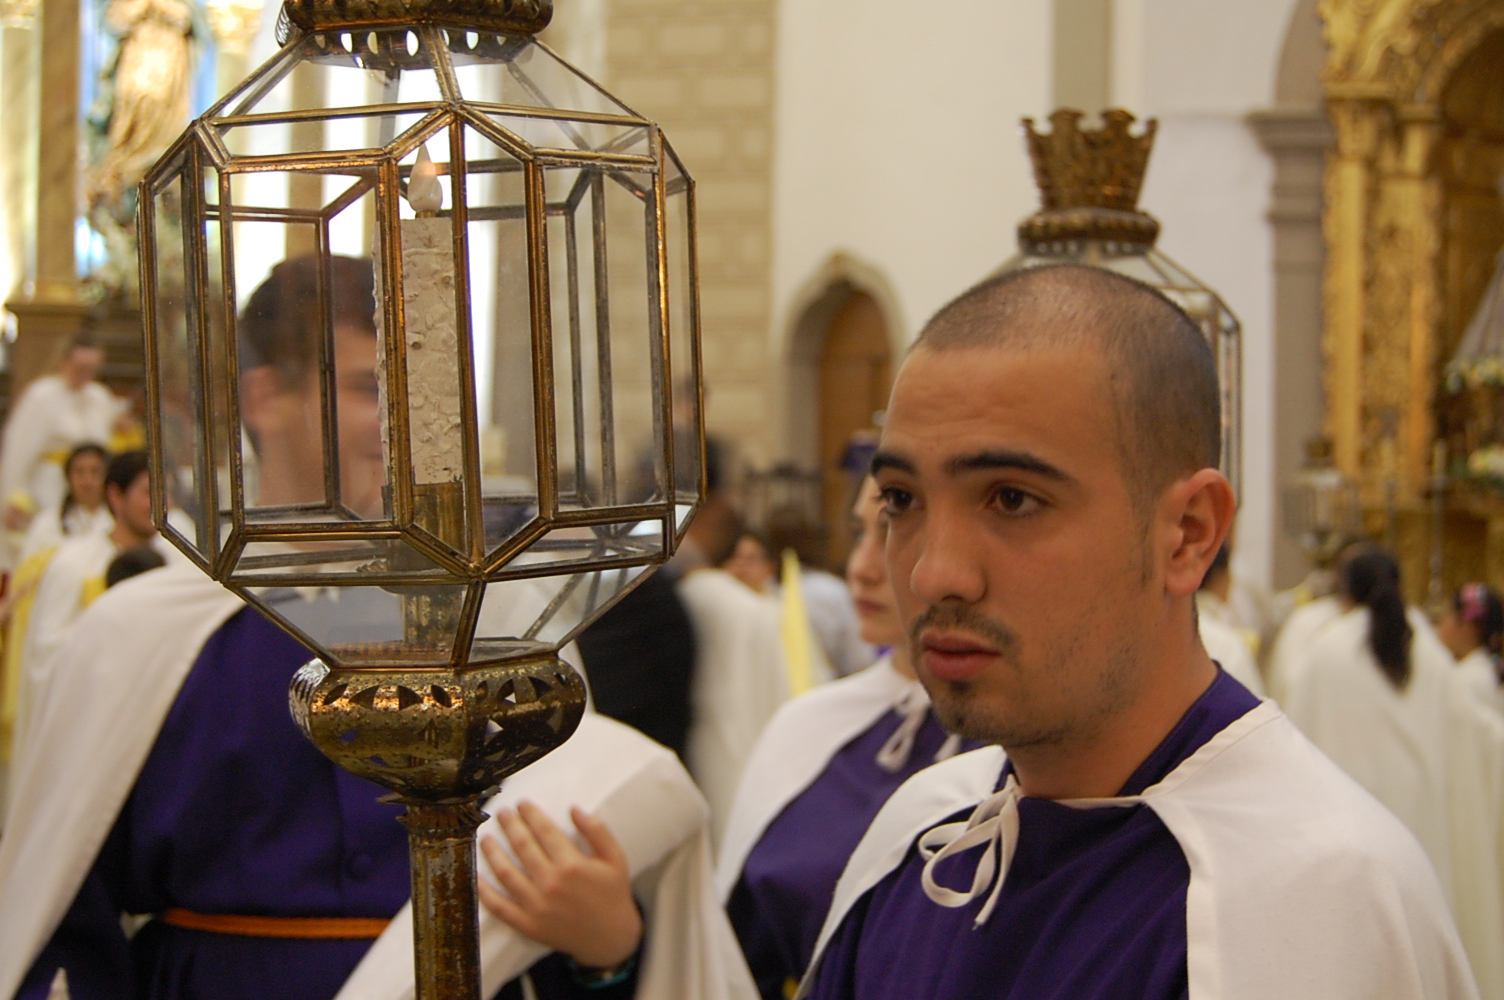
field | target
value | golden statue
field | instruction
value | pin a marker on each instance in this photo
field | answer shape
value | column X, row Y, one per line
column 151, row 80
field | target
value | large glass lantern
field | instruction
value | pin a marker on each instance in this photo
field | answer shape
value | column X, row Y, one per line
column 422, row 337
column 1089, row 182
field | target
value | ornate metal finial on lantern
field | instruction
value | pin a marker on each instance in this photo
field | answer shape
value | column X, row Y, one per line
column 508, row 445
column 1089, row 182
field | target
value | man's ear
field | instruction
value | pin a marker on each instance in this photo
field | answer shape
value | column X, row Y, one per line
column 1201, row 509
column 114, row 498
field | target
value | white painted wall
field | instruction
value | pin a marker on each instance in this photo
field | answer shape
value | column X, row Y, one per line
column 897, row 142
column 1200, row 66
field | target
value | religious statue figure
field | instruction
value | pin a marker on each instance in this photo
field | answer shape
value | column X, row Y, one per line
column 151, row 80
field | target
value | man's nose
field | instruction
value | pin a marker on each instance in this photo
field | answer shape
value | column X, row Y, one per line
column 949, row 566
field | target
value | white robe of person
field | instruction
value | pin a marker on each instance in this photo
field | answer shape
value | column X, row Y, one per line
column 1480, row 673
column 48, row 421
column 1225, row 644
column 117, row 678
column 740, row 680
column 1302, row 886
column 74, row 576
column 1286, row 657
column 51, row 527
column 1430, row 754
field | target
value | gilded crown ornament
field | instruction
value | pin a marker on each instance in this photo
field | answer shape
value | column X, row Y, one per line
column 1089, row 180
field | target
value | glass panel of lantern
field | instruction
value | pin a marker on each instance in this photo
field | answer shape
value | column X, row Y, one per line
column 351, row 350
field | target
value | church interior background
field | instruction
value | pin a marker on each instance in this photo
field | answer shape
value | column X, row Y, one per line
column 1330, row 168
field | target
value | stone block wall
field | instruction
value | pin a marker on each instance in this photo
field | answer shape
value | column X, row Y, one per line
column 703, row 69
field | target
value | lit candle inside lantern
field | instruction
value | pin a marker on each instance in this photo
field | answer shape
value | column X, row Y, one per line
column 428, row 305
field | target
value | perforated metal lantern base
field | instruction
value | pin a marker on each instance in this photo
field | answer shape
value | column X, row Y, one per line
column 440, row 740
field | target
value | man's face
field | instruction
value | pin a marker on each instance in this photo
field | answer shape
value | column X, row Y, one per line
column 287, row 421
column 1017, row 557
column 81, row 366
column 132, row 506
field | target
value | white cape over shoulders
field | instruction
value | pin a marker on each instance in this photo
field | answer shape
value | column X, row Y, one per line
column 95, row 722
column 1302, row 886
column 793, row 751
column 119, row 692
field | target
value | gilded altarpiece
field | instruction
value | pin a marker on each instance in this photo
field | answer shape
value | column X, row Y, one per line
column 1413, row 223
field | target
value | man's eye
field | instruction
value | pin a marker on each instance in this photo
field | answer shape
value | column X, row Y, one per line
column 1016, row 502
column 896, row 501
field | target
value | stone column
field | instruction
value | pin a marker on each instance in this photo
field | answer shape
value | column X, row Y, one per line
column 53, row 314
column 1349, row 194
column 18, row 156
column 1297, row 139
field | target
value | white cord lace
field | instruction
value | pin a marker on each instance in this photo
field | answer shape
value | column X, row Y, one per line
column 914, row 706
column 993, row 823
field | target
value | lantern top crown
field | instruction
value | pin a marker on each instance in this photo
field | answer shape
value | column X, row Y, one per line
column 525, row 17
column 1089, row 180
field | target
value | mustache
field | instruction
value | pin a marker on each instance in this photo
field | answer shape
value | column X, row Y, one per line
column 965, row 618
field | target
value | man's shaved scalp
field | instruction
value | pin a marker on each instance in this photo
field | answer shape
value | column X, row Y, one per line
column 1161, row 372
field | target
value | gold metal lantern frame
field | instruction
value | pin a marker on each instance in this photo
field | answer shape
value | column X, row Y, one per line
column 435, row 499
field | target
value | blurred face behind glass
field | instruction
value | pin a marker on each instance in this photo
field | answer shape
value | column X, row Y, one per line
column 285, row 418
column 867, row 570
column 86, row 480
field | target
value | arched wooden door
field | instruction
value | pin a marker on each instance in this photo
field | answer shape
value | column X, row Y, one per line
column 855, row 374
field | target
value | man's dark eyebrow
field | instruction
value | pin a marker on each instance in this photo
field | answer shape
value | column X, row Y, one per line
column 1020, row 460
column 887, row 460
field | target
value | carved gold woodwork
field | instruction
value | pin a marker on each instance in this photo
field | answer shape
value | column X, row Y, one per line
column 1415, row 92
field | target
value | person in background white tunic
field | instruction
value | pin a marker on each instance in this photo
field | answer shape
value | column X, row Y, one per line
column 53, row 414
column 1472, row 627
column 740, row 679
column 83, row 510
column 75, row 577
column 1383, row 700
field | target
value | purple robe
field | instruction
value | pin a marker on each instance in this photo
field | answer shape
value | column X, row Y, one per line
column 789, row 877
column 1093, row 905
column 235, row 812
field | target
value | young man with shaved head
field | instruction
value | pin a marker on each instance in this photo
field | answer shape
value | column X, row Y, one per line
column 1142, row 826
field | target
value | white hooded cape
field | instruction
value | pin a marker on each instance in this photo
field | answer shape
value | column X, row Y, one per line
column 1302, row 886
column 1431, row 754
column 794, row 750
column 106, row 701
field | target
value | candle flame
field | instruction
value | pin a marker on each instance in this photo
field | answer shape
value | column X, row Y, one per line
column 424, row 193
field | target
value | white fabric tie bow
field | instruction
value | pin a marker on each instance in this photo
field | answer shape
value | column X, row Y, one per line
column 994, row 823
column 914, row 706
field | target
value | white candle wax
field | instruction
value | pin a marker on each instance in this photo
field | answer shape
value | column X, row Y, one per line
column 428, row 305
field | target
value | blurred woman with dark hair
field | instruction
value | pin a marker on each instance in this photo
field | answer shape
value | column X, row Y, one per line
column 1473, row 629
column 1381, row 697
column 83, row 510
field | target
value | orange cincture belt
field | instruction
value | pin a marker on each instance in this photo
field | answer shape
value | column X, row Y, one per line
column 322, row 928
